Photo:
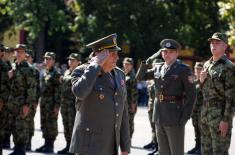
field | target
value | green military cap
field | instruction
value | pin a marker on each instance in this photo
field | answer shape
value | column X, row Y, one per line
column 29, row 52
column 198, row 65
column 219, row 36
column 128, row 61
column 74, row 56
column 169, row 44
column 50, row 55
column 20, row 46
column 2, row 47
column 108, row 42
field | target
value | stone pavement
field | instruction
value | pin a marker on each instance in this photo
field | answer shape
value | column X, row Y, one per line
column 141, row 136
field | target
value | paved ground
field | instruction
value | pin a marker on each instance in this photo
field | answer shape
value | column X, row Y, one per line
column 141, row 135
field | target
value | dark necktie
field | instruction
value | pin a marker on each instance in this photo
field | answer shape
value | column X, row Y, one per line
column 111, row 79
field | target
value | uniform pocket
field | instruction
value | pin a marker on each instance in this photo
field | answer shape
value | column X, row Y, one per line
column 90, row 139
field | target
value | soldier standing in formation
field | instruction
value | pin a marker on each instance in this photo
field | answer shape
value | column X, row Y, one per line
column 101, row 123
column 132, row 93
column 153, row 145
column 4, row 92
column 49, row 103
column 218, row 86
column 33, row 106
column 23, row 94
column 68, row 110
column 174, row 98
column 196, row 114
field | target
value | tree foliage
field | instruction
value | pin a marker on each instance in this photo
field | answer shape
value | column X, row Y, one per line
column 227, row 12
column 70, row 24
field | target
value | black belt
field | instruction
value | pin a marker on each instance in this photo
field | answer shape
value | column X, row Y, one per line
column 162, row 98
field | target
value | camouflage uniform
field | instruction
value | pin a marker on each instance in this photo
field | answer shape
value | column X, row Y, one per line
column 218, row 105
column 151, row 92
column 4, row 92
column 50, row 99
column 33, row 108
column 23, row 92
column 131, row 97
column 68, row 110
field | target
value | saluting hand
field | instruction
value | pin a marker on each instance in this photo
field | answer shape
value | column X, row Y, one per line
column 100, row 57
column 223, row 128
column 203, row 75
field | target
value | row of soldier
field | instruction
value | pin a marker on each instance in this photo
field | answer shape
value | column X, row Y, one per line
column 169, row 116
column 43, row 86
column 23, row 86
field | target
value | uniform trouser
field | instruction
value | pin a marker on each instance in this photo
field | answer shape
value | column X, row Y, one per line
column 20, row 127
column 68, row 113
column 212, row 142
column 31, row 120
column 170, row 139
column 131, row 122
column 152, row 124
column 196, row 125
column 48, row 118
column 3, row 121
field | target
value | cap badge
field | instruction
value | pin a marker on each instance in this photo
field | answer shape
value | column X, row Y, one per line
column 168, row 45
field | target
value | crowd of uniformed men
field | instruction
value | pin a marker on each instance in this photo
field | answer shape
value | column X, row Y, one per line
column 172, row 91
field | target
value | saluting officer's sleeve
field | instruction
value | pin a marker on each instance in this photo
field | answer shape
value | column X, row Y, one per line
column 229, row 95
column 143, row 73
column 83, row 80
column 125, row 142
column 189, row 94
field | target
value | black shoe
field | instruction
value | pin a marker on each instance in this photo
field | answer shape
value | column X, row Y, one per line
column 28, row 147
column 198, row 151
column 194, row 150
column 63, row 151
column 45, row 149
column 151, row 145
column 40, row 149
column 155, row 152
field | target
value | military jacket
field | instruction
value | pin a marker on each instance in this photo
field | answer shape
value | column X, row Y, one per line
column 4, row 81
column 23, row 83
column 131, row 86
column 219, row 86
column 66, row 91
column 177, row 81
column 102, row 119
column 50, row 85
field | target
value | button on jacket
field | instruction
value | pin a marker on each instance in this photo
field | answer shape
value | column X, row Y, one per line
column 101, row 123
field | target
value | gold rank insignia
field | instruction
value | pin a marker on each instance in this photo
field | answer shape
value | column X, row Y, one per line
column 101, row 96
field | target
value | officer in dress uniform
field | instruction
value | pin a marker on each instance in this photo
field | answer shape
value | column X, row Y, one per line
column 101, row 124
column 174, row 99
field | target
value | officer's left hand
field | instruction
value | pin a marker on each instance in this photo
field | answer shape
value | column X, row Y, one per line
column 223, row 128
column 124, row 153
column 25, row 110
